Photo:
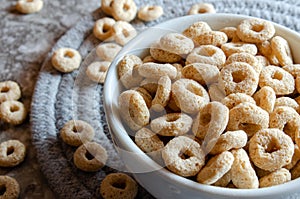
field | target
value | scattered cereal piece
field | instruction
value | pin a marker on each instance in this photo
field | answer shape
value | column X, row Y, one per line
column 12, row 153
column 150, row 13
column 9, row 90
column 107, row 51
column 124, row 10
column 277, row 177
column 96, row 71
column 10, row 186
column 66, row 60
column 13, row 112
column 29, row 6
column 103, row 29
column 106, row 6
column 201, row 8
column 123, row 32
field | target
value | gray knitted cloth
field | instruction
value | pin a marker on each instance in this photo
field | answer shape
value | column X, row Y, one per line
column 61, row 97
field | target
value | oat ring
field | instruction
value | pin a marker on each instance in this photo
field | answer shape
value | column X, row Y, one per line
column 66, row 59
column 12, row 153
column 103, row 29
column 162, row 95
column 11, row 187
column 28, row 7
column 124, row 10
column 176, row 43
column 150, row 13
column 9, row 90
column 13, row 112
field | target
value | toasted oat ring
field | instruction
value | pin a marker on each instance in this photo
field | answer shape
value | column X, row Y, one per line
column 287, row 101
column 29, row 6
column 238, row 77
column 10, row 186
column 183, row 156
column 12, row 153
column 96, row 71
column 172, row 124
column 281, row 50
column 13, row 112
column 235, row 99
column 238, row 47
column 162, row 95
column 244, row 176
column 77, row 132
column 124, row 10
column 103, row 29
column 90, row 157
column 215, row 168
column 255, row 30
column 205, row 74
column 295, row 159
column 155, row 71
column 224, row 180
column 149, row 58
column 265, row 49
column 162, row 55
column 106, row 6
column 271, row 149
column 216, row 93
column 286, row 119
column 262, row 60
column 247, row 58
column 9, row 90
column 123, row 32
column 230, row 140
column 277, row 177
column 248, row 117
column 107, row 51
column 150, row 85
column 148, row 141
column 265, row 98
column 150, row 13
column 215, row 38
column 66, row 60
column 196, row 29
column 189, row 95
column 277, row 78
column 118, row 185
column 201, row 8
column 133, row 109
column 207, row 54
column 293, row 69
column 176, row 43
column 231, row 34
column 145, row 94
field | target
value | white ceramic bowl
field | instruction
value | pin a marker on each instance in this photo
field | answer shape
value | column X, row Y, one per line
column 160, row 182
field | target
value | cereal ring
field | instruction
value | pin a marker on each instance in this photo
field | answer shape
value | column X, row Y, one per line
column 204, row 74
column 148, row 141
column 128, row 71
column 255, row 30
column 286, row 119
column 266, row 50
column 162, row 55
column 248, row 117
column 183, row 156
column 215, row 93
column 275, row 178
column 244, row 176
column 66, row 60
column 145, row 94
column 235, row 99
column 162, row 95
column 265, row 98
column 90, row 157
column 238, row 77
column 133, row 109
column 230, row 140
column 118, row 185
column 124, row 10
column 155, row 70
column 282, row 51
column 10, row 187
column 172, row 124
column 106, row 6
column 149, row 58
column 176, row 43
column 123, row 32
column 224, row 180
column 196, row 29
column 96, row 71
column 262, row 60
column 207, row 54
column 280, row 80
column 238, row 47
column 260, row 172
column 247, row 58
column 13, row 112
column 201, row 8
column 215, row 38
column 29, row 6
column 287, row 101
column 9, row 90
column 189, row 95
column 172, row 104
column 150, row 85
column 295, row 159
column 215, row 168
column 231, row 34
column 77, row 132
column 271, row 149
column 179, row 68
column 12, row 153
column 107, row 51
column 103, row 29
column 150, row 13
column 293, row 69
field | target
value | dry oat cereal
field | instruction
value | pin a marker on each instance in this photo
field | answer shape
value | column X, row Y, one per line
column 106, row 6
column 29, row 6
column 262, row 60
column 224, row 180
column 281, row 50
column 123, row 32
column 295, row 159
column 277, row 177
column 216, row 93
column 287, row 101
column 235, row 99
column 66, row 60
column 271, row 149
column 107, row 51
column 196, row 29
column 176, row 43
column 12, row 153
column 149, row 58
column 295, row 171
column 162, row 95
column 9, row 90
column 150, row 13
column 172, row 124
column 293, row 69
column 231, row 34
column 10, row 187
column 124, row 10
column 103, row 29
column 118, row 185
column 145, row 94
column 201, row 8
column 77, row 132
column 13, row 112
column 155, row 71
column 150, row 85
column 96, row 71
column 161, row 55
column 90, row 157
column 183, row 156
column 265, row 49
column 247, row 58
column 238, row 47
column 215, row 38
column 265, row 98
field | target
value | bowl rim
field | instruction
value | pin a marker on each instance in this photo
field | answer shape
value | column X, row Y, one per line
column 122, row 136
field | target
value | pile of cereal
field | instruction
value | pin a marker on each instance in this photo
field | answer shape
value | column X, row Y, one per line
column 219, row 106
